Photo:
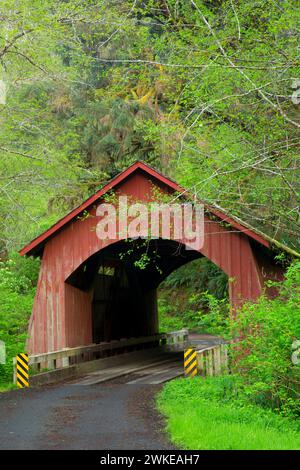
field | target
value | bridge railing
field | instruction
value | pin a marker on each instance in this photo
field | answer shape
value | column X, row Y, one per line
column 70, row 356
column 176, row 340
column 212, row 360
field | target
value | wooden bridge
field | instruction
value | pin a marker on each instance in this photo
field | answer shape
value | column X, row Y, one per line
column 90, row 292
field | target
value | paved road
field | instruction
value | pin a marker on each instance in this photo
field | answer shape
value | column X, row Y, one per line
column 118, row 414
column 110, row 416
column 107, row 409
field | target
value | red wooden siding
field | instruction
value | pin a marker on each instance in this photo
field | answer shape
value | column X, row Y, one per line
column 62, row 313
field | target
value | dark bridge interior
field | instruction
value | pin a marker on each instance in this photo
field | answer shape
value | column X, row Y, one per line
column 122, row 282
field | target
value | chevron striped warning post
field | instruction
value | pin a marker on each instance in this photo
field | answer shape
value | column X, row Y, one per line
column 22, row 370
column 190, row 363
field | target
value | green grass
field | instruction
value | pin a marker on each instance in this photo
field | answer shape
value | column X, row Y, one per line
column 5, row 387
column 206, row 414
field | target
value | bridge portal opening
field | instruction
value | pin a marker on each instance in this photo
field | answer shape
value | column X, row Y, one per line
column 119, row 286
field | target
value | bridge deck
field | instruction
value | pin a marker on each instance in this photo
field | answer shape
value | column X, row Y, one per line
column 152, row 371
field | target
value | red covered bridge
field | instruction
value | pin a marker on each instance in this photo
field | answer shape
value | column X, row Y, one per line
column 89, row 290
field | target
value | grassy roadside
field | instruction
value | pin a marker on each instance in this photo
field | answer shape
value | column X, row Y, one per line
column 6, row 387
column 205, row 414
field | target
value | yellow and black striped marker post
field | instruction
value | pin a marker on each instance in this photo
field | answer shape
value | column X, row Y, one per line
column 22, row 370
column 190, row 363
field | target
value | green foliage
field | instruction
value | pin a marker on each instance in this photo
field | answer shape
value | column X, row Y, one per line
column 195, row 296
column 209, row 414
column 263, row 355
column 168, row 321
column 177, row 311
column 214, row 320
column 200, row 275
column 173, row 315
column 18, row 277
column 152, row 83
column 265, row 331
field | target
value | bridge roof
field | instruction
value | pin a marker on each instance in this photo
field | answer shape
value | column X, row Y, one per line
column 35, row 247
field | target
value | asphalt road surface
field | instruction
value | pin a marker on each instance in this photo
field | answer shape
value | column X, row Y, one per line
column 111, row 409
column 88, row 413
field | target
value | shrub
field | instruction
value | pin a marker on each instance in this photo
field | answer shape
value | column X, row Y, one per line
column 18, row 277
column 263, row 356
column 266, row 330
